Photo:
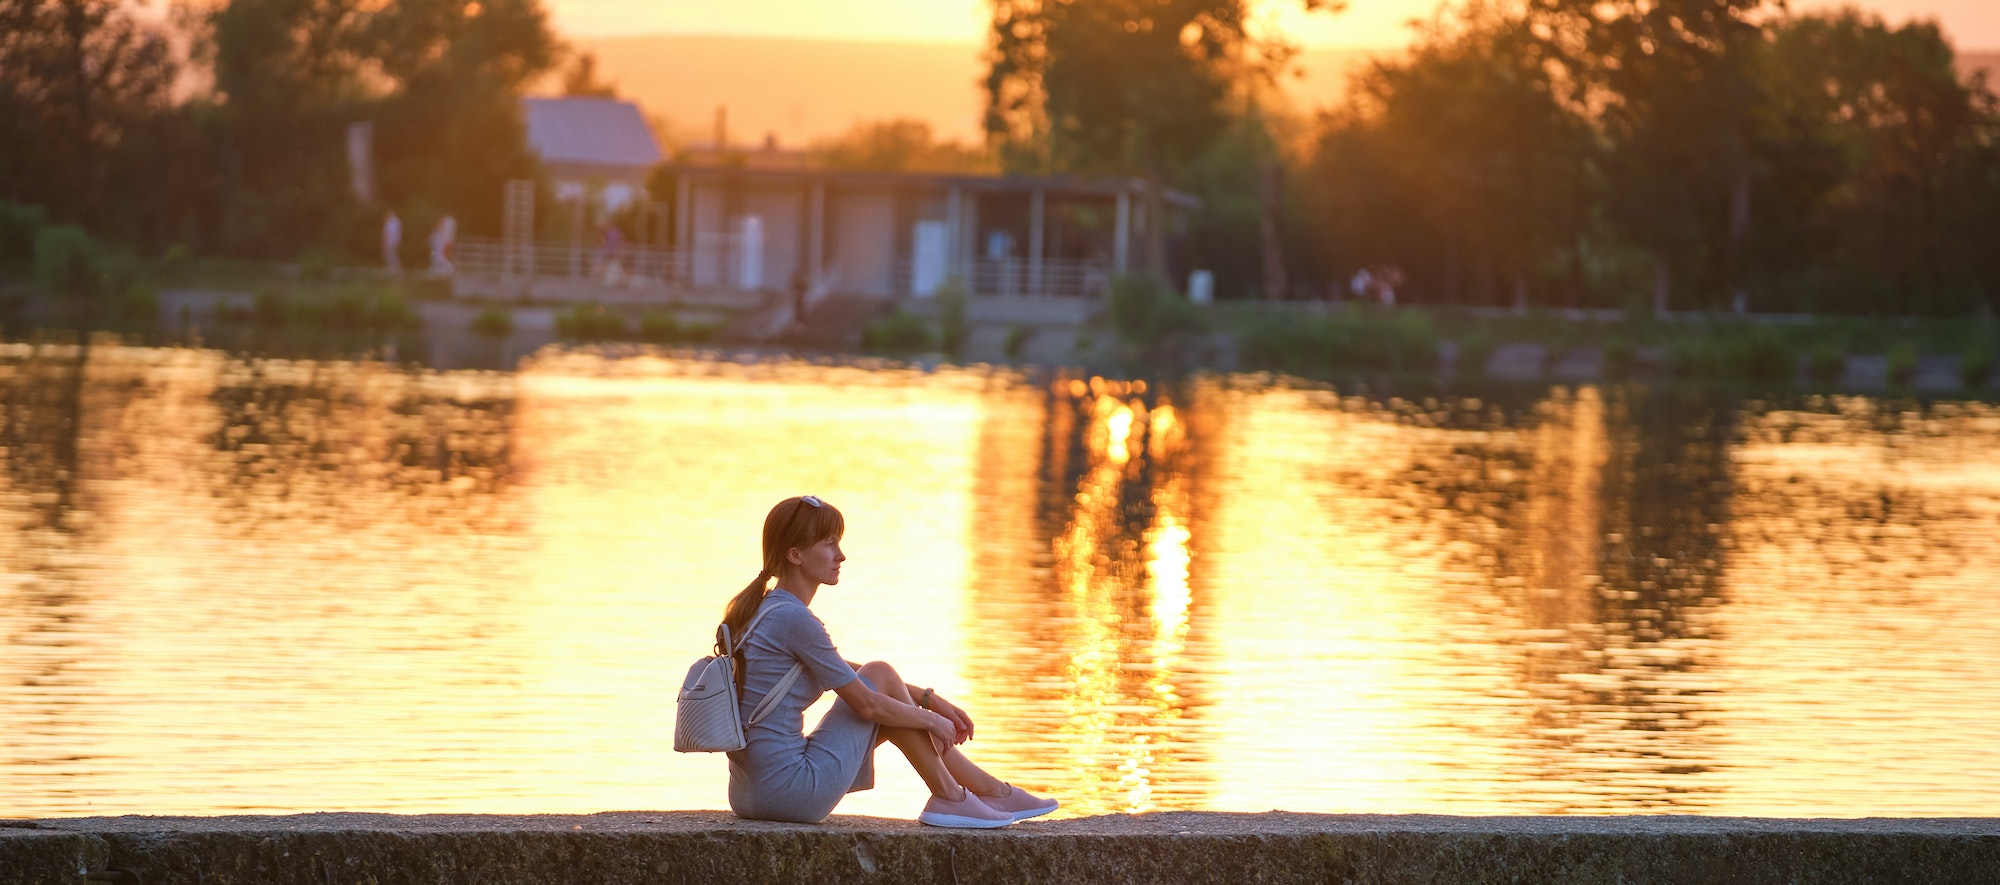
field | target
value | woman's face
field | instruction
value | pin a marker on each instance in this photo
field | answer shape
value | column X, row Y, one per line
column 820, row 563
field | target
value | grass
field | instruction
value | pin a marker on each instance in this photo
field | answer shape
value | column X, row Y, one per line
column 897, row 333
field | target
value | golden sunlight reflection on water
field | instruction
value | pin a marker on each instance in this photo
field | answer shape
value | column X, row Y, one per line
column 265, row 585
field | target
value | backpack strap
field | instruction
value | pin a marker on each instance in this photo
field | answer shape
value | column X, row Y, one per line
column 777, row 692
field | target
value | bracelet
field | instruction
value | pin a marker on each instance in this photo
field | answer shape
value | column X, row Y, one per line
column 925, row 701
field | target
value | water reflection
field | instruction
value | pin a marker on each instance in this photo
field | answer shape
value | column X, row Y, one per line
column 260, row 584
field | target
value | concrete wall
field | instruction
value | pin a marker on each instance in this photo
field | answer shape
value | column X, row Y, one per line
column 1276, row 847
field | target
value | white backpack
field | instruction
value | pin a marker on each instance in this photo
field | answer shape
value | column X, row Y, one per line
column 705, row 716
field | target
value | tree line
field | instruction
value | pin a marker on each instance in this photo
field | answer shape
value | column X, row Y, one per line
column 1683, row 154
column 226, row 131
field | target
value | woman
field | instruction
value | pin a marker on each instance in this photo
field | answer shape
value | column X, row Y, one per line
column 785, row 774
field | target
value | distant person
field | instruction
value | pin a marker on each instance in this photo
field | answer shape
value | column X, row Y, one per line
column 611, row 253
column 442, row 239
column 801, row 286
column 392, row 243
column 1362, row 283
column 789, row 775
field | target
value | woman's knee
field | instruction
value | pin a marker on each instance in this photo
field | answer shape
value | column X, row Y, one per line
column 880, row 675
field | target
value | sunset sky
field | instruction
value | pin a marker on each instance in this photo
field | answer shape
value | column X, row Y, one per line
column 1972, row 24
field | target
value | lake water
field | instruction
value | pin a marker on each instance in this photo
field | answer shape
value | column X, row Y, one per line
column 261, row 585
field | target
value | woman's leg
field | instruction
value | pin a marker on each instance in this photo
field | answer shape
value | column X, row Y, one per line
column 943, row 774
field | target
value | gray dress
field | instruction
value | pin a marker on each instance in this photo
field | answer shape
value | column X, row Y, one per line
column 784, row 773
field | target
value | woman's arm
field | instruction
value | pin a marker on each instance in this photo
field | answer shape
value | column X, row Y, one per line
column 882, row 709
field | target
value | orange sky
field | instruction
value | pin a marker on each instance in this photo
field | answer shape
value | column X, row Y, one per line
column 1973, row 24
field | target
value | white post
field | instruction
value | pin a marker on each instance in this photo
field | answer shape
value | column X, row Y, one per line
column 816, row 233
column 1036, row 202
column 954, row 227
column 683, row 227
column 750, row 254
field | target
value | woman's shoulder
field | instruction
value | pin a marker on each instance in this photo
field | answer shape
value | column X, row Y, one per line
column 788, row 614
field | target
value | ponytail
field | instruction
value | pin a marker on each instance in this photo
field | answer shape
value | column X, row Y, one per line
column 737, row 615
column 743, row 606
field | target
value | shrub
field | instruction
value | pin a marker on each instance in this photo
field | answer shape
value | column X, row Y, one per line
column 270, row 309
column 176, row 262
column 590, row 322
column 1017, row 340
column 1620, row 357
column 1144, row 310
column 68, row 263
column 1362, row 338
column 1902, row 363
column 897, row 332
column 659, row 328
column 497, row 322
column 20, row 226
column 1975, row 366
column 1761, row 354
column 390, row 311
column 1827, row 361
column 951, row 298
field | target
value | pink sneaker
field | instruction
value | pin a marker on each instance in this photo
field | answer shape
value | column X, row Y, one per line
column 967, row 812
column 1020, row 804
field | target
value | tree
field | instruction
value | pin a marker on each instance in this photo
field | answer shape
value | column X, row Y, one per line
column 1126, row 87
column 581, row 80
column 1670, row 86
column 900, row 145
column 75, row 77
column 1120, row 86
column 1461, row 161
column 440, row 79
column 1910, row 146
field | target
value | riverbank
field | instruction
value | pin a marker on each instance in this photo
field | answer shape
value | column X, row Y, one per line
column 1274, row 847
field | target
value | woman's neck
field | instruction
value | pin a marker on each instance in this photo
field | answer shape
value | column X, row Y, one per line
column 799, row 587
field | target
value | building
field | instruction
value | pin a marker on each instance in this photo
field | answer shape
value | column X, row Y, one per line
column 598, row 149
column 902, row 234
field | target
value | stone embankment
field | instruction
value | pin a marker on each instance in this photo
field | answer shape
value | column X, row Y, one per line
column 1277, row 847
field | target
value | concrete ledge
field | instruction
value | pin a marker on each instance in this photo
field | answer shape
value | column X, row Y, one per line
column 1276, row 847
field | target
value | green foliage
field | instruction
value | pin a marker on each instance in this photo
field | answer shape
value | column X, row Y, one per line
column 898, row 145
column 1016, row 341
column 1362, row 339
column 495, row 322
column 69, row 263
column 1754, row 353
column 662, row 327
column 1133, row 86
column 1459, row 161
column 897, row 332
column 1902, row 358
column 591, row 322
column 1145, row 310
column 19, row 226
column 271, row 308
column 951, row 299
column 352, row 308
column 1826, row 362
column 1975, row 365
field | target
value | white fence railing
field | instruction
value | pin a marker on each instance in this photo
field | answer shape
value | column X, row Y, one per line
column 731, row 261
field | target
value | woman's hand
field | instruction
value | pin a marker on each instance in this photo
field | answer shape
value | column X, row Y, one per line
column 944, row 732
column 961, row 722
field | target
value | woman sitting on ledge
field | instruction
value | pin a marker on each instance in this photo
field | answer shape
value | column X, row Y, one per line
column 785, row 774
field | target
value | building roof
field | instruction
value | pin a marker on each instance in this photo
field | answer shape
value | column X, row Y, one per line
column 602, row 133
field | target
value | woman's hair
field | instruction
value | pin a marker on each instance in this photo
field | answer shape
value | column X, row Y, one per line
column 796, row 522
